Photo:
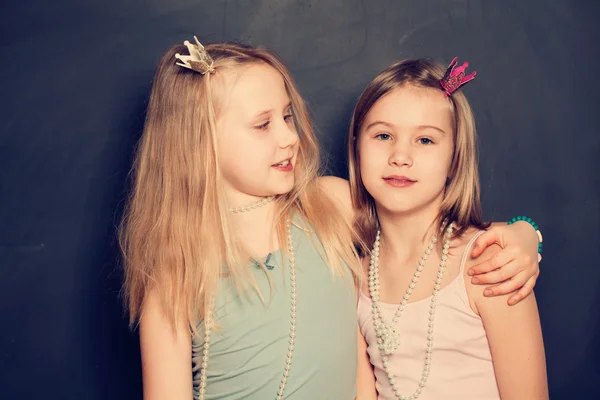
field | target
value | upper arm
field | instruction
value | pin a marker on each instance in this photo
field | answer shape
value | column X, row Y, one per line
column 338, row 190
column 515, row 338
column 365, row 379
column 166, row 354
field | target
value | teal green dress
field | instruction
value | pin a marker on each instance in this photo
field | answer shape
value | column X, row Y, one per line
column 247, row 355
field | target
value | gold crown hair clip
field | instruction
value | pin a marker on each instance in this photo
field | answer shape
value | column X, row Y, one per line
column 198, row 60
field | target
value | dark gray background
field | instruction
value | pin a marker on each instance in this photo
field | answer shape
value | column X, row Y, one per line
column 75, row 77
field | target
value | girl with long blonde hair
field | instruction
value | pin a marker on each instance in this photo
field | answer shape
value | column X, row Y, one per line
column 240, row 262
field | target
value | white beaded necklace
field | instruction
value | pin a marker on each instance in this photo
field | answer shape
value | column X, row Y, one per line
column 387, row 336
column 252, row 206
column 292, row 341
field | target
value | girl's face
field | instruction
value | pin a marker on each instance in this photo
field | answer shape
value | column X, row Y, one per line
column 257, row 144
column 405, row 148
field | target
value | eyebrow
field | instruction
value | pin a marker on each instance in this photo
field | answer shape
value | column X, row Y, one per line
column 423, row 127
column 267, row 112
column 392, row 126
column 372, row 124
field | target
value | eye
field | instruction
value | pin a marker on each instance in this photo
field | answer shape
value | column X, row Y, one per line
column 425, row 141
column 263, row 126
column 383, row 136
column 288, row 117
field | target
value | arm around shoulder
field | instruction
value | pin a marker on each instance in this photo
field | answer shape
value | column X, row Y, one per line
column 166, row 354
column 515, row 337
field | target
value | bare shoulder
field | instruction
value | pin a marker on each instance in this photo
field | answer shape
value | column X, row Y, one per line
column 488, row 253
column 335, row 186
column 464, row 239
column 338, row 190
column 458, row 245
column 474, row 292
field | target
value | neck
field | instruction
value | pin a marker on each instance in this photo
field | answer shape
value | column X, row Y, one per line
column 407, row 232
column 254, row 227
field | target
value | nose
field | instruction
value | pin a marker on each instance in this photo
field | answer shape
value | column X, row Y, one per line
column 287, row 135
column 401, row 155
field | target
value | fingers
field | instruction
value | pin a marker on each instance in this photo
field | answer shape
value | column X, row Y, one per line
column 510, row 272
column 484, row 241
column 498, row 275
column 525, row 291
column 519, row 281
column 499, row 259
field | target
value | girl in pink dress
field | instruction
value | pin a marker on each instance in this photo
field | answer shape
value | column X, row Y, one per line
column 429, row 332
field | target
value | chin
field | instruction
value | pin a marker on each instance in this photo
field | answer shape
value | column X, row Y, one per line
column 282, row 188
column 410, row 205
column 286, row 189
column 394, row 209
column 399, row 204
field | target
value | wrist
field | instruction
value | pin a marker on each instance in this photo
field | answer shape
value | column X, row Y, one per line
column 525, row 220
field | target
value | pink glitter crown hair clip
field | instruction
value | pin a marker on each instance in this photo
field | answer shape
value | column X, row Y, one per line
column 455, row 77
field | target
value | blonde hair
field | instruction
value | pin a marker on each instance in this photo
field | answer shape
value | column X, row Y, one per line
column 462, row 194
column 176, row 234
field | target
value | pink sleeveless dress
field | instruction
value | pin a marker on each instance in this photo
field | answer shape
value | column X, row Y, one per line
column 461, row 362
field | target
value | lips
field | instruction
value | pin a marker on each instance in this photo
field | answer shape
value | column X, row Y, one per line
column 284, row 166
column 399, row 181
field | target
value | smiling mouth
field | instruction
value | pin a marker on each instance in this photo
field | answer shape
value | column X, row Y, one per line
column 284, row 166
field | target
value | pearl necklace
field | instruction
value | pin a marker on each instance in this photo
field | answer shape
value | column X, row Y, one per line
column 387, row 336
column 252, row 206
column 292, row 341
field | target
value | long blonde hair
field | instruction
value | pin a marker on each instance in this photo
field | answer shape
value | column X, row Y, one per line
column 461, row 202
column 176, row 234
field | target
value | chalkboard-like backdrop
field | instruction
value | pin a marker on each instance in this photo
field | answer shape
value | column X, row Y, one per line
column 75, row 76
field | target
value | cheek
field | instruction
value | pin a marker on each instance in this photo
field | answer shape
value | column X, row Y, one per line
column 370, row 155
column 439, row 163
column 370, row 164
column 363, row 160
column 240, row 146
column 227, row 148
column 236, row 160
